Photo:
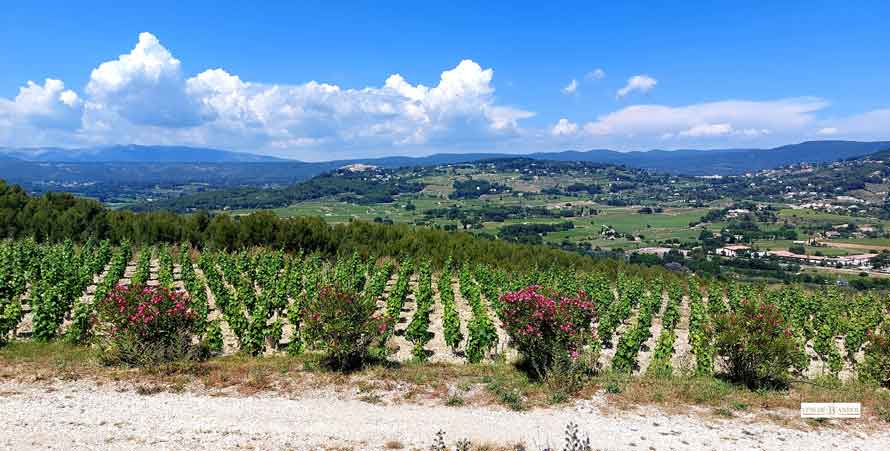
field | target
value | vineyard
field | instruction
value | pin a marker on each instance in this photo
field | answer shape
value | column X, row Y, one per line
column 251, row 302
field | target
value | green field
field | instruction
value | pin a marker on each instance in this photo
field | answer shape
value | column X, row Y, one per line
column 783, row 245
column 634, row 229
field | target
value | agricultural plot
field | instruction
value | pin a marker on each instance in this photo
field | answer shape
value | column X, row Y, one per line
column 250, row 302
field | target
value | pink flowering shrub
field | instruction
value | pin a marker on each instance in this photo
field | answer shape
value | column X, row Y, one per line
column 756, row 345
column 146, row 325
column 550, row 329
column 343, row 325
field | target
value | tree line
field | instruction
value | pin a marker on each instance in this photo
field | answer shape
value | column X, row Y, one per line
column 55, row 217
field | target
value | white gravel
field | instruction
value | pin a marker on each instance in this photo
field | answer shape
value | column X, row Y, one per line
column 82, row 415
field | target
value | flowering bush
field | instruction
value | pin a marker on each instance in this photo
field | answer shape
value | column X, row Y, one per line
column 550, row 329
column 756, row 345
column 343, row 325
column 146, row 325
column 876, row 365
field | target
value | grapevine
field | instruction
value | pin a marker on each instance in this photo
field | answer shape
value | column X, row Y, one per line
column 482, row 333
column 451, row 318
column 417, row 331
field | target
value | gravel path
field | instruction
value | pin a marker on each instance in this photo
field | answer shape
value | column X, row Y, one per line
column 81, row 415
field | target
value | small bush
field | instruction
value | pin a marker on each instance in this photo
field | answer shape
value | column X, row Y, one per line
column 551, row 330
column 342, row 325
column 876, row 365
column 613, row 388
column 146, row 326
column 756, row 345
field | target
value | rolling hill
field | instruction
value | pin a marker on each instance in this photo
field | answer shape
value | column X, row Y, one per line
column 136, row 154
column 688, row 161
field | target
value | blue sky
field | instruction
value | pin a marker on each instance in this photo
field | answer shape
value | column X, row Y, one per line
column 314, row 80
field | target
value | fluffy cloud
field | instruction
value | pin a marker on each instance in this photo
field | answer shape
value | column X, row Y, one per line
column 459, row 109
column 43, row 106
column 564, row 127
column 143, row 97
column 145, row 87
column 641, row 83
column 570, row 88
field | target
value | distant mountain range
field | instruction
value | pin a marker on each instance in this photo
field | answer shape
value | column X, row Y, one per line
column 135, row 154
column 687, row 162
column 725, row 161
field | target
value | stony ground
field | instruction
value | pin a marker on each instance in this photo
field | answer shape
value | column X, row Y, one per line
column 78, row 415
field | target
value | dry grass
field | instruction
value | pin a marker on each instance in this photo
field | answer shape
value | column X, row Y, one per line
column 446, row 384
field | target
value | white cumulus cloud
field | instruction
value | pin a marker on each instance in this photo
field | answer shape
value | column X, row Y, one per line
column 460, row 108
column 143, row 96
column 642, row 83
column 564, row 127
column 49, row 105
column 145, row 87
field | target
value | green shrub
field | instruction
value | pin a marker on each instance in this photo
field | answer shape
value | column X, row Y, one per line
column 343, row 325
column 756, row 345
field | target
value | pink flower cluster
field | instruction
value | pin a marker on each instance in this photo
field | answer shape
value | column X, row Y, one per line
column 537, row 318
column 145, row 310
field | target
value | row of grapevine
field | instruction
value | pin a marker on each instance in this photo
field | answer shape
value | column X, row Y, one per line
column 195, row 288
column 221, row 295
column 492, row 284
column 399, row 294
column 165, row 267
column 660, row 362
column 450, row 316
column 376, row 284
column 629, row 344
column 700, row 336
column 482, row 334
column 18, row 265
column 349, row 274
column 298, row 266
column 65, row 274
column 819, row 318
column 616, row 313
column 864, row 314
column 417, row 331
column 142, row 272
column 247, row 313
